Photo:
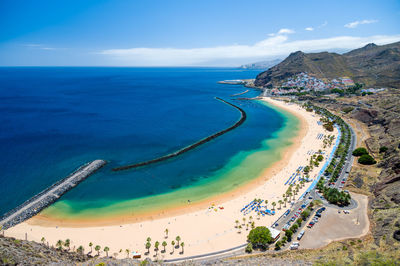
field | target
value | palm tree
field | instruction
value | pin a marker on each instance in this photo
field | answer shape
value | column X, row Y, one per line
column 250, row 218
column 237, row 223
column 59, row 244
column 67, row 243
column 280, row 204
column 91, row 247
column 106, row 249
column 247, row 227
column 43, row 240
column 148, row 246
column 148, row 239
column 182, row 245
column 266, row 204
column 244, row 220
column 166, row 232
column 97, row 248
column 273, row 205
column 173, row 246
column 80, row 250
column 127, row 251
column 240, row 228
column 285, row 200
column 252, row 225
column 178, row 238
column 156, row 246
column 258, row 216
column 164, row 244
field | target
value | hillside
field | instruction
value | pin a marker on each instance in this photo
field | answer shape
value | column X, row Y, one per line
column 372, row 65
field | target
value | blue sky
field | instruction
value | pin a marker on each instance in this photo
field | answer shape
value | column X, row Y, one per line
column 186, row 32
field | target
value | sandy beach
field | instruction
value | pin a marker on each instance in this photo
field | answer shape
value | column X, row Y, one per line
column 204, row 227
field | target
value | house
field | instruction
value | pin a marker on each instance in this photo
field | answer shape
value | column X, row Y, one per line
column 274, row 233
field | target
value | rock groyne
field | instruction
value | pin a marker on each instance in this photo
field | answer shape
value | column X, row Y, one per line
column 192, row 146
column 48, row 196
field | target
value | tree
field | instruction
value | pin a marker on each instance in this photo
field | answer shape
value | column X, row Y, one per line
column 148, row 239
column 320, row 158
column 148, row 246
column 240, row 229
column 173, row 246
column 360, row 151
column 178, row 238
column 383, row 149
column 59, row 244
column 306, row 169
column 106, row 250
column 273, row 205
column 237, row 223
column 244, row 220
column 67, row 243
column 156, row 245
column 43, row 240
column 285, row 200
column 288, row 234
column 266, row 204
column 127, row 251
column 366, row 159
column 260, row 237
column 249, row 248
column 91, row 247
column 80, row 250
column 97, row 248
column 164, row 244
column 278, row 245
column 166, row 232
column 280, row 204
column 182, row 245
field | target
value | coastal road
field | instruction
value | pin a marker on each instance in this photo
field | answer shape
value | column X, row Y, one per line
column 350, row 160
column 34, row 204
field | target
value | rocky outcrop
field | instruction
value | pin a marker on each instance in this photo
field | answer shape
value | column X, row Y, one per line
column 372, row 64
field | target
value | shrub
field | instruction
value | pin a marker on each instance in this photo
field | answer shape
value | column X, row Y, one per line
column 383, row 149
column 249, row 248
column 360, row 151
column 278, row 245
column 366, row 159
column 260, row 237
column 347, row 109
column 320, row 158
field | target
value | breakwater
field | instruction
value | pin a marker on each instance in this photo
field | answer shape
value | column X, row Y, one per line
column 237, row 94
column 48, row 196
column 192, row 146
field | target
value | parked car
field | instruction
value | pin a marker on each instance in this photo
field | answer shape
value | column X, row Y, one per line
column 300, row 235
column 310, row 225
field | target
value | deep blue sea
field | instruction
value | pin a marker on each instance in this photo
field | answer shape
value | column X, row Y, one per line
column 54, row 119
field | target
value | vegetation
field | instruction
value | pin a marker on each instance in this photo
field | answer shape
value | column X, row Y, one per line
column 249, row 248
column 360, row 151
column 260, row 237
column 383, row 149
column 366, row 159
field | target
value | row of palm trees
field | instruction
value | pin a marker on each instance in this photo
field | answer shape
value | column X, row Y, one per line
column 164, row 244
column 67, row 244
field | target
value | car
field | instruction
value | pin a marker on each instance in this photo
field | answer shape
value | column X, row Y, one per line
column 318, row 215
column 310, row 197
column 293, row 247
column 286, row 227
column 346, row 211
column 343, row 182
column 310, row 225
column 300, row 235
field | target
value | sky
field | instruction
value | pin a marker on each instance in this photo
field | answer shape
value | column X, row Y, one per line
column 186, row 32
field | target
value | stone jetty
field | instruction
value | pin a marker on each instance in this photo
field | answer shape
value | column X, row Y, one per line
column 192, row 146
column 48, row 196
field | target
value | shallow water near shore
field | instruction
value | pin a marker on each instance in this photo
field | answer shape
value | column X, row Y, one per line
column 56, row 119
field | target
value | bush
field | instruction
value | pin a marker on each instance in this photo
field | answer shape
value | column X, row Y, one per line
column 320, row 158
column 305, row 214
column 288, row 234
column 260, row 237
column 249, row 248
column 347, row 109
column 383, row 149
column 360, row 151
column 278, row 245
column 366, row 159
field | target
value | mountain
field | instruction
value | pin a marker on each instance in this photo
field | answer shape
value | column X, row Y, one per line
column 373, row 65
column 262, row 64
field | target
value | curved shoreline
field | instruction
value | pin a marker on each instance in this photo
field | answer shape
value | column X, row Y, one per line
column 191, row 146
column 178, row 209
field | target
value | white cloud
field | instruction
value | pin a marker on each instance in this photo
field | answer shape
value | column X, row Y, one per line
column 285, row 31
column 40, row 46
column 274, row 46
column 355, row 24
column 309, row 28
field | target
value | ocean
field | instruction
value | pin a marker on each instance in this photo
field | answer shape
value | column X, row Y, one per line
column 54, row 119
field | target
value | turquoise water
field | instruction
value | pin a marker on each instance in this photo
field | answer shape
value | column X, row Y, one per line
column 55, row 119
